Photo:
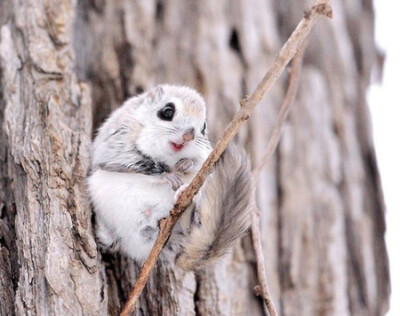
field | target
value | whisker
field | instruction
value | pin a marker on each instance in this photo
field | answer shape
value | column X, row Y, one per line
column 202, row 141
column 205, row 145
column 165, row 129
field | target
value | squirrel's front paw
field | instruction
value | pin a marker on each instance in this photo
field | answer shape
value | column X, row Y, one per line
column 185, row 165
column 173, row 179
column 179, row 192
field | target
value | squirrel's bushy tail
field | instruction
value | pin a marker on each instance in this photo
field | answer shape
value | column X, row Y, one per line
column 222, row 211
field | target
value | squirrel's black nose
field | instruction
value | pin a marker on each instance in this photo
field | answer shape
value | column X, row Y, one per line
column 188, row 135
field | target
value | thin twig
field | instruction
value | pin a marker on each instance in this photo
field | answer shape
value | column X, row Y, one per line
column 262, row 288
column 287, row 103
column 294, row 76
column 286, row 53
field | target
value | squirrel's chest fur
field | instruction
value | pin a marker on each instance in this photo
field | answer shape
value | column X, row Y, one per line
column 131, row 218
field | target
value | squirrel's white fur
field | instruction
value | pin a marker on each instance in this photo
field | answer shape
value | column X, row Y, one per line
column 139, row 158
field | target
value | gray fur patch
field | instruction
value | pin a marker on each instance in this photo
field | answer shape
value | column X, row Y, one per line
column 141, row 164
column 147, row 165
column 149, row 233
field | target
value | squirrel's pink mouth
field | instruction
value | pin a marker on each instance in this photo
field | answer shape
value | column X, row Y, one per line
column 177, row 147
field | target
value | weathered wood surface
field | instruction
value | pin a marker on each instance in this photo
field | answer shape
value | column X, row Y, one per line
column 64, row 65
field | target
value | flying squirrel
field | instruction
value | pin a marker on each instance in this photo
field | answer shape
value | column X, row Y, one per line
column 143, row 156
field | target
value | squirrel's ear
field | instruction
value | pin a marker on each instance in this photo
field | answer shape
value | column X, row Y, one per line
column 156, row 93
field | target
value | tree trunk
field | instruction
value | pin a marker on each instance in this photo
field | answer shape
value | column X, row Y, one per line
column 64, row 65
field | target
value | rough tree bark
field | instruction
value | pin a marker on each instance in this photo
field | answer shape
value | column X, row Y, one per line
column 65, row 65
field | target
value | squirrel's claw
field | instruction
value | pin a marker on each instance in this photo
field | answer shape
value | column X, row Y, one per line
column 178, row 193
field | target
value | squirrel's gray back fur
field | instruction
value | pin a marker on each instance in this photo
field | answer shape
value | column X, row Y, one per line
column 222, row 212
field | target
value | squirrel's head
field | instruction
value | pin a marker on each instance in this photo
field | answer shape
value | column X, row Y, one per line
column 173, row 123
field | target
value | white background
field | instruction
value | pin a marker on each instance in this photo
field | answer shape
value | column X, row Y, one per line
column 384, row 101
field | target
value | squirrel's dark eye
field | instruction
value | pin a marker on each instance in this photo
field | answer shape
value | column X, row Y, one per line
column 203, row 131
column 167, row 112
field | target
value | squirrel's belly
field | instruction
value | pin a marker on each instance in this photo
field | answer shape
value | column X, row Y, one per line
column 130, row 206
